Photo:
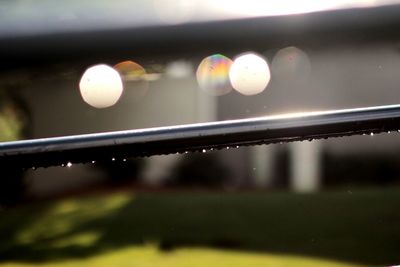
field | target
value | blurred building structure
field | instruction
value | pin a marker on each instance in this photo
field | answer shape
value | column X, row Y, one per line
column 336, row 78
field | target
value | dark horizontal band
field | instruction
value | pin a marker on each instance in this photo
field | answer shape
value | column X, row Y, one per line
column 197, row 137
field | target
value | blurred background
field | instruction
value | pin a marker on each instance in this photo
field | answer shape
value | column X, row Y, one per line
column 330, row 202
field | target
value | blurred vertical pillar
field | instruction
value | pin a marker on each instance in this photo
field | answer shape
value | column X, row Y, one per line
column 158, row 168
column 305, row 166
column 207, row 107
column 262, row 165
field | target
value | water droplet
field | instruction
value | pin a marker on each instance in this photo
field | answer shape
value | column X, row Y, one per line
column 388, row 132
column 63, row 165
column 93, row 161
column 398, row 131
column 186, row 152
column 124, row 160
column 371, row 134
column 237, row 146
column 113, row 159
column 227, row 147
column 69, row 164
column 204, row 151
column 33, row 168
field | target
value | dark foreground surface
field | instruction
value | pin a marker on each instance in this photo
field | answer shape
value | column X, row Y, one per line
column 360, row 227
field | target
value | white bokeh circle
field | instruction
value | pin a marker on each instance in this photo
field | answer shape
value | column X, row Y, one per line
column 101, row 86
column 249, row 74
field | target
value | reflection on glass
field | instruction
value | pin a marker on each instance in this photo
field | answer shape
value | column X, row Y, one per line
column 291, row 64
column 101, row 86
column 213, row 75
column 249, row 74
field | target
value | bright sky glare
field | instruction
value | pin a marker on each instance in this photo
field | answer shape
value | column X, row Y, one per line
column 27, row 17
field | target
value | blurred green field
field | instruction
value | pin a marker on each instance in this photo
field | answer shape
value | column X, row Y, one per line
column 205, row 229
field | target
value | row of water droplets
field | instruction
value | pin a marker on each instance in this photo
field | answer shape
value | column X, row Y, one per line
column 204, row 150
column 212, row 149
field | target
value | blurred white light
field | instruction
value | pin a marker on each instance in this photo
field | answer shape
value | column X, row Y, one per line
column 249, row 74
column 179, row 69
column 101, row 86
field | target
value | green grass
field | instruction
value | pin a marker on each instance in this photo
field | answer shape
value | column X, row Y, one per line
column 195, row 257
column 205, row 229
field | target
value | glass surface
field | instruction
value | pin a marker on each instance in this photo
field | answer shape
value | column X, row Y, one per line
column 328, row 202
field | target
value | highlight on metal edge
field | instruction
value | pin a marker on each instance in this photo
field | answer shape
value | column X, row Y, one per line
column 198, row 137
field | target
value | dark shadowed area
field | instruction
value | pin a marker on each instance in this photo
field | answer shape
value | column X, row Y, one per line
column 359, row 227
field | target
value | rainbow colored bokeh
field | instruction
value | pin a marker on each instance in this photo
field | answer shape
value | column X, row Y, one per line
column 130, row 71
column 134, row 77
column 213, row 75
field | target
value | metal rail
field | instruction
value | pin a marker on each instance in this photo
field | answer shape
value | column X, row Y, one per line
column 198, row 137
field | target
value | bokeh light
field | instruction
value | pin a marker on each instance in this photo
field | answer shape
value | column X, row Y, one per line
column 101, row 86
column 179, row 69
column 134, row 77
column 213, row 75
column 249, row 74
column 291, row 65
column 130, row 71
